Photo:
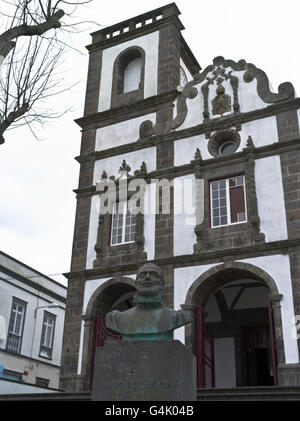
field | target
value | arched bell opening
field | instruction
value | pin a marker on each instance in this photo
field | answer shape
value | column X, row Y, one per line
column 128, row 77
column 237, row 332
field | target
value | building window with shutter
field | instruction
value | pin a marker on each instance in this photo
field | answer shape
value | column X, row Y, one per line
column 123, row 227
column 47, row 335
column 16, row 325
column 228, row 201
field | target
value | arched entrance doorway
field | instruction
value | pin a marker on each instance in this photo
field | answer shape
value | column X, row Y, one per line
column 236, row 315
column 115, row 294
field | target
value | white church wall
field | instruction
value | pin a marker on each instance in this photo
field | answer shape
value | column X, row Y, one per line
column 134, row 160
column 268, row 179
column 121, row 133
column 262, row 131
column 150, row 45
column 184, row 217
column 185, row 149
column 248, row 98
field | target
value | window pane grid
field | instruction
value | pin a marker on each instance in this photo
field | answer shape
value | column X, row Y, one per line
column 123, row 224
column 47, row 336
column 221, row 201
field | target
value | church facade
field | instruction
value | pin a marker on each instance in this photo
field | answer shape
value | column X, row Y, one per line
column 212, row 160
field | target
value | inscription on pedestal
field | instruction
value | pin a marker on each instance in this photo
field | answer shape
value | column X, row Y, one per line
column 144, row 371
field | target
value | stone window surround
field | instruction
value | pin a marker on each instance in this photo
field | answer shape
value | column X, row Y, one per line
column 252, row 225
column 118, row 98
column 109, row 255
column 53, row 317
column 221, row 137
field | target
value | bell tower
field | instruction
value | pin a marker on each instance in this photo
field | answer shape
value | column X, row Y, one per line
column 135, row 68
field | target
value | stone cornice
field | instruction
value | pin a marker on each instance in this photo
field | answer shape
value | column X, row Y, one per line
column 116, row 115
column 103, row 39
column 206, row 165
column 221, row 123
column 219, row 256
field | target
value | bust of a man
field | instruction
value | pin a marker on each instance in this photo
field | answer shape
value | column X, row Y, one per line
column 149, row 319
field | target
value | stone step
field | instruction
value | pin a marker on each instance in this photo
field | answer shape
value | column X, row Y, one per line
column 236, row 394
column 269, row 393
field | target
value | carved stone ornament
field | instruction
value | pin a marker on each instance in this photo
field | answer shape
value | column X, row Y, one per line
column 221, row 104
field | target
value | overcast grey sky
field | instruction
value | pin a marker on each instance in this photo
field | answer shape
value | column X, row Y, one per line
column 37, row 205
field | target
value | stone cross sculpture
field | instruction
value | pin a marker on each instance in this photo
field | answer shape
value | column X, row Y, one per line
column 149, row 319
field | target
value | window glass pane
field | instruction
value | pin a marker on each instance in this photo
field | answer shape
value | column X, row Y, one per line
column 232, row 182
column 215, row 194
column 237, row 203
column 216, row 222
column 214, row 185
column 222, row 184
column 224, row 220
column 222, row 193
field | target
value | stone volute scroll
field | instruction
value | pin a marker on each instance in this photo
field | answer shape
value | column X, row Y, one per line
column 149, row 319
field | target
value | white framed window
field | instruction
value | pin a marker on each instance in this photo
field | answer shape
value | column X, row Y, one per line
column 16, row 325
column 123, row 226
column 228, row 201
column 47, row 335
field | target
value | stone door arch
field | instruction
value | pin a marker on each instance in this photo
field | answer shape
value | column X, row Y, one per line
column 215, row 278
column 112, row 294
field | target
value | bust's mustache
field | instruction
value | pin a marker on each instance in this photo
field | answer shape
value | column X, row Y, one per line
column 148, row 299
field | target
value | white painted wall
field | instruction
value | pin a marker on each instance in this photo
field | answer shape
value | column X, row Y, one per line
column 184, row 215
column 121, row 133
column 134, row 160
column 150, row 45
column 185, row 149
column 247, row 96
column 29, row 358
column 8, row 387
column 270, row 198
column 32, row 327
column 263, row 132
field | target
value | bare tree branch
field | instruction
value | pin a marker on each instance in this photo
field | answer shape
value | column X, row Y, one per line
column 30, row 52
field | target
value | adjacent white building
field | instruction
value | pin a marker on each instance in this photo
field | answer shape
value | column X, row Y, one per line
column 32, row 308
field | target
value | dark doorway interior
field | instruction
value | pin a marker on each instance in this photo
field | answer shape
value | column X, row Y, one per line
column 257, row 367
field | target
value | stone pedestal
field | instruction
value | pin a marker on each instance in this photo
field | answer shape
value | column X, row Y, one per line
column 144, row 371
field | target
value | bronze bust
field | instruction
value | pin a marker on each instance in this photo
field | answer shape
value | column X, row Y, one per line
column 149, row 319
